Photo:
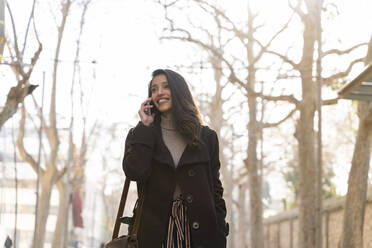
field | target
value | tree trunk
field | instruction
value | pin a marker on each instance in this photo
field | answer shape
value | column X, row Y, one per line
column 307, row 176
column 352, row 235
column 255, row 186
column 251, row 163
column 66, row 234
column 217, row 122
column 242, row 220
column 305, row 135
column 47, row 183
column 60, row 230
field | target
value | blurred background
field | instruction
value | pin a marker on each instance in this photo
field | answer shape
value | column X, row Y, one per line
column 269, row 76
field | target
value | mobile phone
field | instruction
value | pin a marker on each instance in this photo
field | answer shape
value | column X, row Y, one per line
column 152, row 110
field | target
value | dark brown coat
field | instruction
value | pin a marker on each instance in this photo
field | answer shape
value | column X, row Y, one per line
column 147, row 159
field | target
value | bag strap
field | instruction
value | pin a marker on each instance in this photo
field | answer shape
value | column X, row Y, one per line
column 123, row 199
column 138, row 214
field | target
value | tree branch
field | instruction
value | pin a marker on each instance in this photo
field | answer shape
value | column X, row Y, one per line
column 20, row 145
column 285, row 59
column 14, row 35
column 342, row 52
column 331, row 79
column 264, row 48
column 269, row 125
column 240, row 34
column 32, row 65
column 61, row 174
column 28, row 26
column 284, row 98
column 15, row 96
column 233, row 78
column 297, row 8
column 330, row 101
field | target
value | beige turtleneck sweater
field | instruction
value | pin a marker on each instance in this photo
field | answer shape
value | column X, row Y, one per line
column 175, row 144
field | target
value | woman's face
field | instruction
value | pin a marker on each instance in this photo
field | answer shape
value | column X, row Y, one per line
column 161, row 94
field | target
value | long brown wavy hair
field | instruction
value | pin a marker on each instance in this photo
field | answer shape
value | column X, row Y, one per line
column 184, row 110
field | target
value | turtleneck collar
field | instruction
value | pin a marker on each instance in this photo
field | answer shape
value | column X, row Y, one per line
column 167, row 123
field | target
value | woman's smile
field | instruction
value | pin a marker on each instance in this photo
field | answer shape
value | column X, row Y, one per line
column 161, row 94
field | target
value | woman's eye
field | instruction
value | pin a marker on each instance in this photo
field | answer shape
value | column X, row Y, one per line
column 166, row 86
column 153, row 90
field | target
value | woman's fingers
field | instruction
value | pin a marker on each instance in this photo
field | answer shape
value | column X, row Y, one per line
column 144, row 112
column 147, row 107
column 145, row 103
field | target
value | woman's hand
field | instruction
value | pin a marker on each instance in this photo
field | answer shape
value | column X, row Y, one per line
column 144, row 112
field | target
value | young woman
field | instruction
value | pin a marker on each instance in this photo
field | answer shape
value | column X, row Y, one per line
column 176, row 159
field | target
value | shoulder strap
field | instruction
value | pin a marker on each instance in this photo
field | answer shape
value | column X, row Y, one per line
column 137, row 218
column 138, row 214
column 123, row 199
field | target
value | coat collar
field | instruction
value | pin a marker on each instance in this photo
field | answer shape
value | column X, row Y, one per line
column 191, row 154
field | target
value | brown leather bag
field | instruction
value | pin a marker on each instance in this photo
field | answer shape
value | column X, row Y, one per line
column 130, row 240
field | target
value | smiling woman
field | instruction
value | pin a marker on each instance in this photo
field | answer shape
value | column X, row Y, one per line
column 175, row 158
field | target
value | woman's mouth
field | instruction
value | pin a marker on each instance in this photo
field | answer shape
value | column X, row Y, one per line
column 163, row 100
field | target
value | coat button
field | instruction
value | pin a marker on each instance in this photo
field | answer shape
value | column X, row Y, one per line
column 189, row 198
column 191, row 173
column 195, row 225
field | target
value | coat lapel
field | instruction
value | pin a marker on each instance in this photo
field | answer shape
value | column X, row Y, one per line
column 191, row 154
column 194, row 155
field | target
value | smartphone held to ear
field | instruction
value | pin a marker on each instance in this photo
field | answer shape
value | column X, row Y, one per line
column 151, row 110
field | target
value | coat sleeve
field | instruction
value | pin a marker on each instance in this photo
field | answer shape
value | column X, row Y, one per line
column 138, row 152
column 217, row 186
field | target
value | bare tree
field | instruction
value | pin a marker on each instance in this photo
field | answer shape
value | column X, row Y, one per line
column 352, row 234
column 51, row 174
column 77, row 155
column 18, row 64
column 305, row 132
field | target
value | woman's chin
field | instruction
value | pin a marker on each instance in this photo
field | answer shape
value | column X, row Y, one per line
column 166, row 113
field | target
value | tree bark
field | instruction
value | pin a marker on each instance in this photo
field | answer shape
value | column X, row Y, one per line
column 15, row 96
column 47, row 182
column 242, row 220
column 305, row 135
column 251, row 163
column 63, row 207
column 217, row 123
column 352, row 234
